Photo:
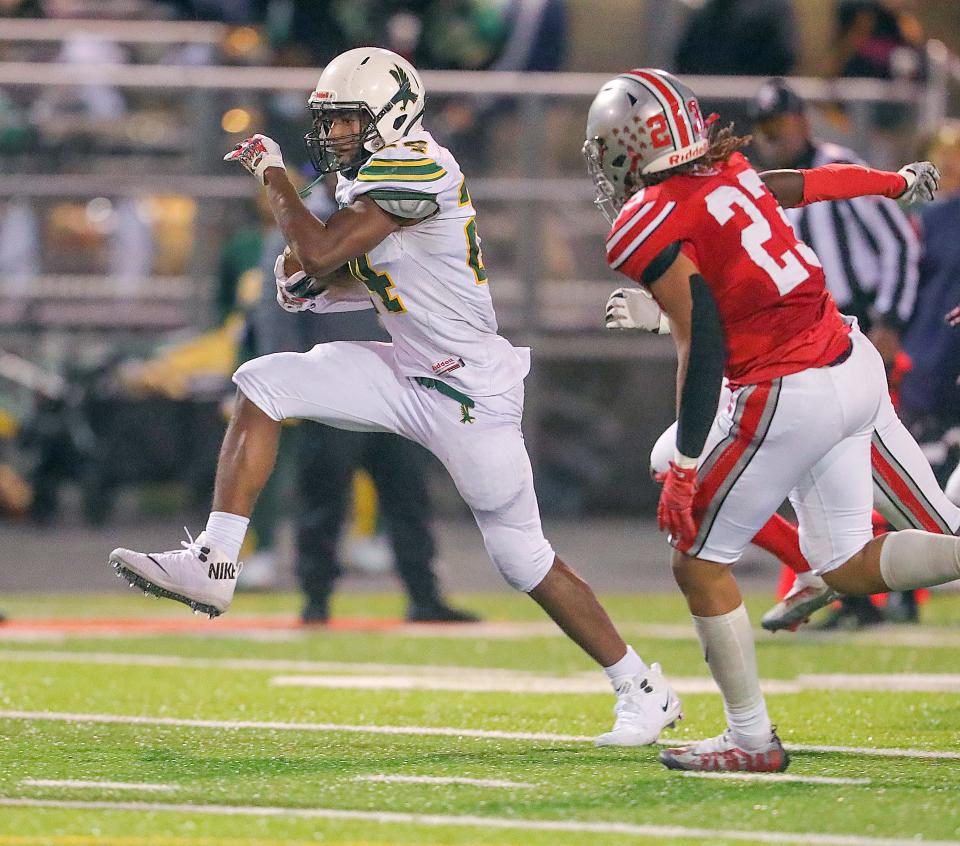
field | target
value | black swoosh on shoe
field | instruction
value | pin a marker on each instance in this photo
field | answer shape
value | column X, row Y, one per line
column 154, row 560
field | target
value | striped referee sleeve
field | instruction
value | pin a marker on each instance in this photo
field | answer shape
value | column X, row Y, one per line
column 821, row 226
column 899, row 302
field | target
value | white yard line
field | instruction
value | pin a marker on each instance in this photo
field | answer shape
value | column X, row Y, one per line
column 420, row 731
column 649, row 832
column 883, row 635
column 425, row 731
column 124, row 659
column 30, row 636
column 95, row 785
column 471, row 782
column 335, row 674
column 778, row 777
column 479, row 681
column 482, row 681
column 876, row 752
column 908, row 682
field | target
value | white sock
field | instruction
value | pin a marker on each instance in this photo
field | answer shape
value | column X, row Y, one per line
column 226, row 532
column 628, row 667
column 727, row 642
column 914, row 559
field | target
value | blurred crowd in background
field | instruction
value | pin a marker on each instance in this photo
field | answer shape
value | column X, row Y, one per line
column 132, row 265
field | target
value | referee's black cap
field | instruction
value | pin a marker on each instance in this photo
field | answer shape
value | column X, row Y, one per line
column 774, row 98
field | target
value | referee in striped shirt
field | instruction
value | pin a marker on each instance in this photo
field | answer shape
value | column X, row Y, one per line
column 870, row 257
column 869, row 251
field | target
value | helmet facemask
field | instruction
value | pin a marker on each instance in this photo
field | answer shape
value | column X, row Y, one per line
column 609, row 198
column 344, row 152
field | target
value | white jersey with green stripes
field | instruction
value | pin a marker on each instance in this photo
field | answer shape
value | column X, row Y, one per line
column 427, row 280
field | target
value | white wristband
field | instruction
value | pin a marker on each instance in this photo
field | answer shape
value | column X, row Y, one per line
column 684, row 462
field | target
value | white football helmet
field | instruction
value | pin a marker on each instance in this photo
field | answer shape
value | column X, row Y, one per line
column 378, row 87
column 643, row 121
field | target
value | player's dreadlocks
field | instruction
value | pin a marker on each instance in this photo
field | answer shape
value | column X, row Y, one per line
column 723, row 143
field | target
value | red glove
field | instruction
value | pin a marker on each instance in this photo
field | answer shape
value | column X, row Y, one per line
column 675, row 509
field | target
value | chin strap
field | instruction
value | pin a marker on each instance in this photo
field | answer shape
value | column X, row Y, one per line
column 303, row 193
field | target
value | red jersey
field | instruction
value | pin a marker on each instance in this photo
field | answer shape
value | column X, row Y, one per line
column 777, row 315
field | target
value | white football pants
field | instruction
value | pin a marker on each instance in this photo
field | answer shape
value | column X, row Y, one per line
column 354, row 385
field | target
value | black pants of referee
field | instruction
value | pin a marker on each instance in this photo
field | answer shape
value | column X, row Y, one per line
column 326, row 461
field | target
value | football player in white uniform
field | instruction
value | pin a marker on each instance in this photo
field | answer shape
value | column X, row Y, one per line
column 404, row 240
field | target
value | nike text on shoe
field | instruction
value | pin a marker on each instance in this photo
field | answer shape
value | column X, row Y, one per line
column 721, row 754
column 645, row 706
column 197, row 575
column 797, row 606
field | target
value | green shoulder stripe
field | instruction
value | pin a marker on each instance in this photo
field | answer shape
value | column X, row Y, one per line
column 413, row 170
column 392, row 194
column 423, row 161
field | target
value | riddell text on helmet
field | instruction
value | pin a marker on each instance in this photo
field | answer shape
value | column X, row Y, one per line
column 680, row 158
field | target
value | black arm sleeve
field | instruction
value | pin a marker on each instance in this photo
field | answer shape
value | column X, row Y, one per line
column 708, row 357
column 661, row 264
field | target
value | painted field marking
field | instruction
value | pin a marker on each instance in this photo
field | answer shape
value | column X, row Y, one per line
column 479, row 681
column 429, row 731
column 123, row 659
column 471, row 782
column 156, row 840
column 778, row 777
column 396, row 818
column 39, row 629
column 342, row 674
column 417, row 731
column 907, row 682
column 95, row 785
column 152, row 840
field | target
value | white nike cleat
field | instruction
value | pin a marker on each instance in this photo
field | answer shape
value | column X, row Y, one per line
column 807, row 595
column 197, row 575
column 721, row 754
column 646, row 705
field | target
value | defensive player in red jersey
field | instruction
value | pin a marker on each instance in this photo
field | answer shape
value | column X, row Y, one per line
column 745, row 298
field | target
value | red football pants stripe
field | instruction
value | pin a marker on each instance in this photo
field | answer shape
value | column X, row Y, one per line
column 901, row 490
column 745, row 430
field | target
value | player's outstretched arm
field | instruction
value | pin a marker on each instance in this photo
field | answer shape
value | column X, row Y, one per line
column 913, row 183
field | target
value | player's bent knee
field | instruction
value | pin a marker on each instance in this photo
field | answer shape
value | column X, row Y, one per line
column 522, row 558
column 694, row 575
column 253, row 384
column 684, row 573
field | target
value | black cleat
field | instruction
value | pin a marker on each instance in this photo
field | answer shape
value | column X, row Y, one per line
column 316, row 612
column 438, row 612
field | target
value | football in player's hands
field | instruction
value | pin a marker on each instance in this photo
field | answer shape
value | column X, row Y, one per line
column 290, row 263
column 304, row 286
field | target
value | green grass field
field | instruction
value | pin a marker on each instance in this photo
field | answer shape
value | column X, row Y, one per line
column 161, row 735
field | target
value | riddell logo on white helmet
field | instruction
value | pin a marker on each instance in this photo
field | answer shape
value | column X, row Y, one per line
column 323, row 95
column 692, row 153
